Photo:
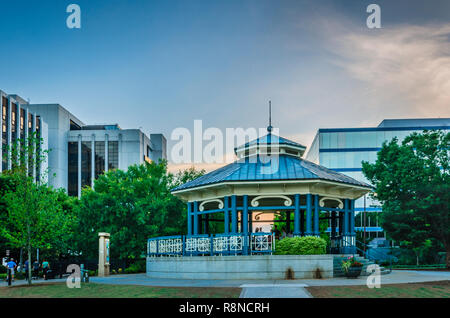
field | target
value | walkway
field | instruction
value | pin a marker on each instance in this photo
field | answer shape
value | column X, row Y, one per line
column 396, row 277
column 261, row 288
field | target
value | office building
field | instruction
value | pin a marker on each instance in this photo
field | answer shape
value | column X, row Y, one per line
column 79, row 153
column 343, row 150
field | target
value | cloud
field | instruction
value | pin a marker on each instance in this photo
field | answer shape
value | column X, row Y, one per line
column 406, row 62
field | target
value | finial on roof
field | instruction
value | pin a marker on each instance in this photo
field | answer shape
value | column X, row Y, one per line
column 269, row 128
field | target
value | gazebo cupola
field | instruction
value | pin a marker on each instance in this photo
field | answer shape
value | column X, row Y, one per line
column 270, row 144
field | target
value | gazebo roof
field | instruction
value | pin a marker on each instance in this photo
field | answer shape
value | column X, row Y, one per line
column 252, row 169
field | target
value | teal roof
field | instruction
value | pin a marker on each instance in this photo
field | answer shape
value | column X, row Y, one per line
column 288, row 168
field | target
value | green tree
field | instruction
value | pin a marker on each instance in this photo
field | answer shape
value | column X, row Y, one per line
column 412, row 181
column 34, row 214
column 133, row 206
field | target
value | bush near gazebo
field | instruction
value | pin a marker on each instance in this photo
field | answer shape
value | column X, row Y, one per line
column 306, row 245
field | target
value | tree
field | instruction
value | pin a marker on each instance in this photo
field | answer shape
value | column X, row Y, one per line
column 34, row 214
column 412, row 181
column 133, row 206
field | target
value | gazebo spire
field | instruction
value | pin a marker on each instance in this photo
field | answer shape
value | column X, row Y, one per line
column 269, row 128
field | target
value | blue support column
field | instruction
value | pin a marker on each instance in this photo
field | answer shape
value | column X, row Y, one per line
column 297, row 214
column 316, row 215
column 226, row 216
column 233, row 215
column 308, row 214
column 245, row 222
column 195, row 218
column 245, row 214
column 189, row 218
column 346, row 218
column 352, row 226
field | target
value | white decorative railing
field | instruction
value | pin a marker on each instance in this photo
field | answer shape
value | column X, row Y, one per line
column 220, row 244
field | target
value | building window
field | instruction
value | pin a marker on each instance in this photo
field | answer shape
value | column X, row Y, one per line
column 13, row 131
column 22, row 137
column 72, row 169
column 5, row 119
column 38, row 149
column 86, row 166
column 30, row 145
column 99, row 158
column 113, row 155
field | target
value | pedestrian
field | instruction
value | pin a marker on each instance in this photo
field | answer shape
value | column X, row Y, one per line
column 25, row 265
column 11, row 266
column 45, row 268
column 36, row 267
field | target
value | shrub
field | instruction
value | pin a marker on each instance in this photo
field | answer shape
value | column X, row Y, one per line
column 307, row 245
column 3, row 276
column 137, row 267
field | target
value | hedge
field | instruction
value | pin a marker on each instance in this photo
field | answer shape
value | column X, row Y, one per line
column 306, row 245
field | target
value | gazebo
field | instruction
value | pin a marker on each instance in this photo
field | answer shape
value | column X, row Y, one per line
column 269, row 182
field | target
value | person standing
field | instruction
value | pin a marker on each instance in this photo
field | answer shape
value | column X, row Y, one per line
column 45, row 268
column 36, row 267
column 25, row 265
column 11, row 265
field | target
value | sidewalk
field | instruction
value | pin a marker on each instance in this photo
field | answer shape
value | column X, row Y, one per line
column 396, row 277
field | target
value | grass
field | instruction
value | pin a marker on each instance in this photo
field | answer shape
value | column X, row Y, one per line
column 92, row 290
column 413, row 290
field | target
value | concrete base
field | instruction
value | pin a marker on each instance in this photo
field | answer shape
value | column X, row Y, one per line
column 241, row 267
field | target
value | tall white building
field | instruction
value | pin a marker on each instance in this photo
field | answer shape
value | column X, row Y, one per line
column 17, row 122
column 79, row 153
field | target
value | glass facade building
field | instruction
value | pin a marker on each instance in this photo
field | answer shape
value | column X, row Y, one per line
column 344, row 149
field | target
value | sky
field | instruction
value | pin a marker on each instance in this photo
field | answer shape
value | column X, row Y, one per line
column 160, row 65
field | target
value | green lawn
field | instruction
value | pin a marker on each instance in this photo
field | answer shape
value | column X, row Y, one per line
column 93, row 290
column 413, row 290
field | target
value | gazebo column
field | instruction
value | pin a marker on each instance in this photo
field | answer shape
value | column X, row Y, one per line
column 245, row 222
column 308, row 215
column 189, row 218
column 297, row 215
column 226, row 216
column 250, row 221
column 233, row 215
column 195, row 218
column 316, row 216
column 346, row 228
column 333, row 231
column 352, row 226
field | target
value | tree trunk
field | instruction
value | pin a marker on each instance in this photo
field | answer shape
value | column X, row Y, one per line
column 29, row 264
